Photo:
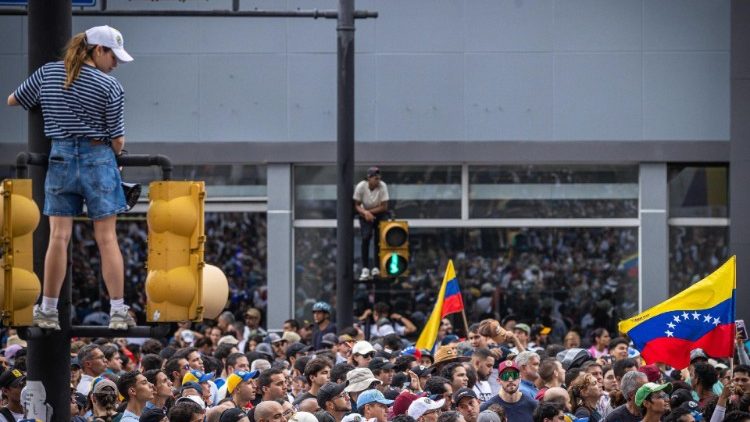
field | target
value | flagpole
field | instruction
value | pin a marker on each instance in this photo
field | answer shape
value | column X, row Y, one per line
column 466, row 323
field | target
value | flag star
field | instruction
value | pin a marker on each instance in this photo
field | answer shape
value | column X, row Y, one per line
column 671, row 325
column 707, row 318
column 676, row 318
column 669, row 333
column 716, row 321
column 685, row 316
column 696, row 315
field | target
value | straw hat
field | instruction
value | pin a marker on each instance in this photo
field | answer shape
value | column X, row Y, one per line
column 447, row 354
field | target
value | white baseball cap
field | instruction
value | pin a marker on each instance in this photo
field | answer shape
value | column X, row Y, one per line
column 422, row 405
column 107, row 36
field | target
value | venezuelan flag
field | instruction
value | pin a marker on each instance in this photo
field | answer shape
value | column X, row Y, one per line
column 700, row 316
column 449, row 301
column 629, row 264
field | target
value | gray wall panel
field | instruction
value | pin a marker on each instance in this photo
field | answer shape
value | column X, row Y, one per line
column 598, row 96
column 420, row 26
column 162, row 98
column 242, row 97
column 11, row 30
column 686, row 95
column 420, row 97
column 598, row 25
column 169, row 5
column 173, row 35
column 493, row 25
column 507, row 96
column 686, row 25
column 13, row 119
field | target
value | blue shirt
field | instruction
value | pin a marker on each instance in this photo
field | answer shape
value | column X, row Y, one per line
column 520, row 411
column 528, row 388
column 92, row 107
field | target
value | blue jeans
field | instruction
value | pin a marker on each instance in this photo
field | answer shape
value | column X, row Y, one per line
column 79, row 171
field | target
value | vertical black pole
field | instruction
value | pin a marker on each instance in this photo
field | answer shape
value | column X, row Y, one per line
column 345, row 164
column 48, row 362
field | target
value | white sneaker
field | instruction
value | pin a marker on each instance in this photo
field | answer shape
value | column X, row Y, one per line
column 365, row 275
column 375, row 272
column 45, row 319
column 121, row 320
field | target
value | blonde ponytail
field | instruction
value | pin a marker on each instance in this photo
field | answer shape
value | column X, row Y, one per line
column 76, row 52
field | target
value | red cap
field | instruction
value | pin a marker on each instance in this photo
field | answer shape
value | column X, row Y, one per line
column 652, row 372
column 505, row 365
column 402, row 402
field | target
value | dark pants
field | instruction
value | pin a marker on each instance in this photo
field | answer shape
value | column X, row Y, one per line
column 369, row 231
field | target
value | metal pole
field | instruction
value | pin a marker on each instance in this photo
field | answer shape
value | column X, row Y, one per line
column 48, row 360
column 345, row 164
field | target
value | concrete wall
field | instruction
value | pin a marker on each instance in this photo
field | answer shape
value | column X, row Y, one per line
column 431, row 70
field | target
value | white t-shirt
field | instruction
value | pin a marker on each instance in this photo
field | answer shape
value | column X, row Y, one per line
column 370, row 198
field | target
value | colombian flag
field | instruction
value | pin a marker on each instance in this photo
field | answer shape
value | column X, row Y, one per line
column 449, row 301
column 700, row 316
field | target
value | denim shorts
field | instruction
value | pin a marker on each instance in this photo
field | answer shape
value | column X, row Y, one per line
column 81, row 171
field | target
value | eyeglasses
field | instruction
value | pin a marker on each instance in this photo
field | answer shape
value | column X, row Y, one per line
column 510, row 375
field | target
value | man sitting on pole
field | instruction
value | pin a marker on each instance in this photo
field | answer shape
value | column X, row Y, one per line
column 371, row 203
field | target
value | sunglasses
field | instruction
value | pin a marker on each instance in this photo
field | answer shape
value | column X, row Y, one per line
column 510, row 375
column 368, row 355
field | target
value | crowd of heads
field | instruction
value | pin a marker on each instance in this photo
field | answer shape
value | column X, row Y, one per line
column 234, row 370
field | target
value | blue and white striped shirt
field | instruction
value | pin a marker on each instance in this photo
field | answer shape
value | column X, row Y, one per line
column 92, row 107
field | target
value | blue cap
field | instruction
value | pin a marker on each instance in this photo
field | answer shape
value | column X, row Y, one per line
column 197, row 376
column 372, row 396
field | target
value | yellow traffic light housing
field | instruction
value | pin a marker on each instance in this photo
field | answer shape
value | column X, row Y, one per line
column 394, row 248
column 174, row 284
column 20, row 285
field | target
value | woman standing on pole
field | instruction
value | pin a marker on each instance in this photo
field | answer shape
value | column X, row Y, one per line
column 83, row 109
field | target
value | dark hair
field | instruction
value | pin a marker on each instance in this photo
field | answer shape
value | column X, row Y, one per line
column 621, row 366
column 499, row 410
column 547, row 369
column 223, row 351
column 184, row 411
column 546, row 411
column 571, row 374
column 403, row 418
column 76, row 53
column 173, row 365
column 597, row 333
column 449, row 369
column 293, row 323
column 339, row 371
column 449, row 416
column 204, row 341
column 231, row 360
column 151, row 346
column 264, row 380
column 185, row 352
column 705, row 375
column 301, row 362
column 316, row 365
column 151, row 361
column 109, row 350
column 677, row 413
column 436, row 385
column 617, row 341
column 211, row 364
column 736, row 416
column 151, row 375
column 126, row 381
column 745, row 369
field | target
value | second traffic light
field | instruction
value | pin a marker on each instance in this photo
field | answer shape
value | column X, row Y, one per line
column 394, row 248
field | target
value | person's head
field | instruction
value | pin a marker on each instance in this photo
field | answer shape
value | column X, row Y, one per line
column 741, row 377
column 494, row 413
column 551, row 371
column 339, row 371
column 653, row 399
column 372, row 404
column 252, row 318
column 618, row 348
column 112, row 355
column 548, row 412
column 705, row 376
column 630, row 383
column 593, row 368
column 600, row 338
column 440, row 388
column 360, row 379
column 362, row 354
column 680, row 414
column 445, row 327
column 483, row 361
column 455, row 373
column 558, row 396
column 318, row 371
column 321, row 312
column 272, row 384
column 100, row 45
column 269, row 411
column 467, row 403
column 236, row 362
column 151, row 361
column 373, row 177
column 451, row 416
column 233, row 414
column 162, row 384
column 528, row 364
column 737, row 416
column 186, row 410
column 12, row 381
column 572, row 340
column 92, row 360
column 584, row 390
column 609, row 380
column 333, row 399
column 382, row 368
column 134, row 386
column 291, row 325
column 241, row 386
column 620, row 367
column 508, row 376
column 425, row 409
column 522, row 332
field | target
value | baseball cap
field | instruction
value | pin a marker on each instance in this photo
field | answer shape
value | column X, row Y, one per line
column 373, row 171
column 372, row 396
column 362, row 348
column 380, row 363
column 328, row 392
column 191, row 384
column 422, row 405
column 295, row 348
column 291, row 337
column 12, row 378
column 107, row 36
column 648, row 388
column 234, row 379
column 329, row 339
column 523, row 327
column 402, row 402
column 273, row 338
column 100, row 383
column 153, row 414
column 462, row 394
column 232, row 415
column 194, row 399
column 652, row 372
column 229, row 339
column 359, row 379
column 505, row 366
column 196, row 376
column 697, row 354
column 265, row 349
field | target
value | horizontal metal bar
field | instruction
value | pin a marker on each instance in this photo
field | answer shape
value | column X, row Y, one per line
column 315, row 13
column 153, row 331
column 699, row 221
column 491, row 222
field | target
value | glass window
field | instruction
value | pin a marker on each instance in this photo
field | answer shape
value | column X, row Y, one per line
column 698, row 191
column 414, row 191
column 694, row 253
column 575, row 276
column 571, row 191
column 235, row 242
column 225, row 180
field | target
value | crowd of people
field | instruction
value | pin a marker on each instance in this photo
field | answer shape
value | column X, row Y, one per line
column 234, row 370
